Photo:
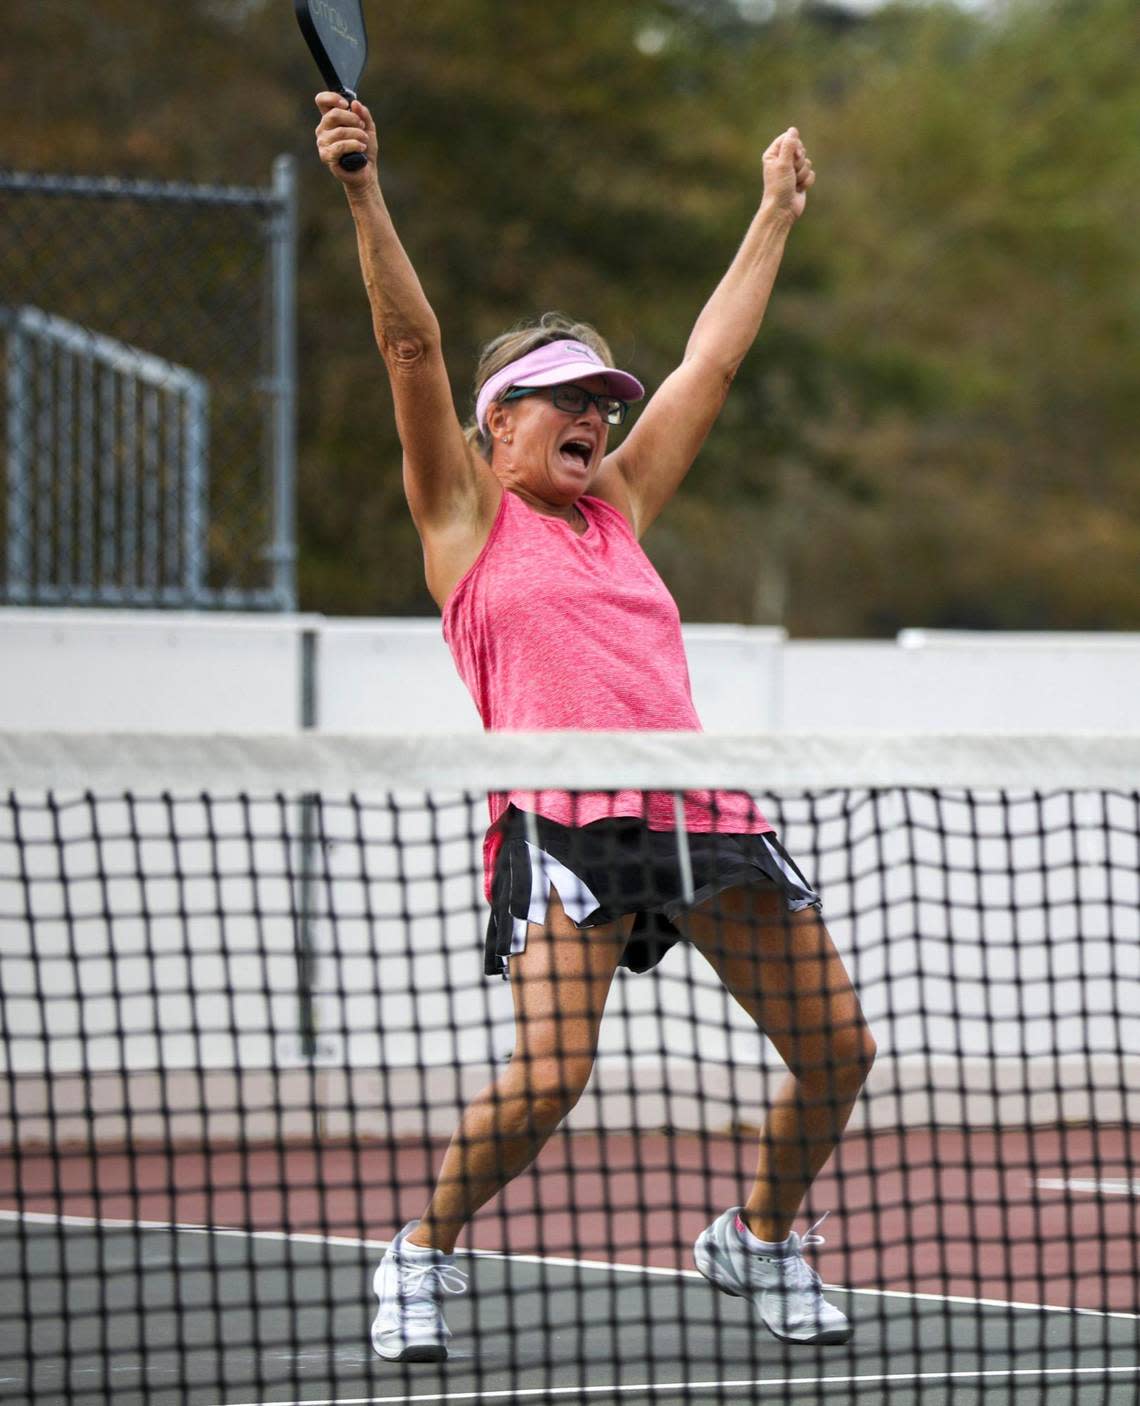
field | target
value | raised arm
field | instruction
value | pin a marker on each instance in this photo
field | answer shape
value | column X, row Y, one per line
column 643, row 473
column 443, row 479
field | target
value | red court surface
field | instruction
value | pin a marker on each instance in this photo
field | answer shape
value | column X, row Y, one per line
column 944, row 1212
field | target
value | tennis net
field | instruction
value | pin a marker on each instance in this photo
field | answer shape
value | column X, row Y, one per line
column 244, row 1007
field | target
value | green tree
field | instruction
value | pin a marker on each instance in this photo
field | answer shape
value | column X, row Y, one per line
column 937, row 424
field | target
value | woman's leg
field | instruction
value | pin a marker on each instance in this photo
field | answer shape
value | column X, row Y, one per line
column 559, row 984
column 784, row 970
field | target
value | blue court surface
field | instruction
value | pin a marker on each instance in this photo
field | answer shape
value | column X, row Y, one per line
column 133, row 1313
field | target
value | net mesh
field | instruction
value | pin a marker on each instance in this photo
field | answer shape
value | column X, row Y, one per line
column 244, row 1013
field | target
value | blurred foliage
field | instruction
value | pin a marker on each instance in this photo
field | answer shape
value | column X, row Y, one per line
column 938, row 425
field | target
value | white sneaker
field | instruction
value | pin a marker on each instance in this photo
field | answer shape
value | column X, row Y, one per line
column 784, row 1289
column 409, row 1325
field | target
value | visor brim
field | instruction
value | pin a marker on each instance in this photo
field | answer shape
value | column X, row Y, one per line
column 618, row 383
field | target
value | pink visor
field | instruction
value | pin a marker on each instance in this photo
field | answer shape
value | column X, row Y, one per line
column 554, row 365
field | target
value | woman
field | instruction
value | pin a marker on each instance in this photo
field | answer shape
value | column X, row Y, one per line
column 556, row 619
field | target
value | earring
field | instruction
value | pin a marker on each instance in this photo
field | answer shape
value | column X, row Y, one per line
column 508, row 439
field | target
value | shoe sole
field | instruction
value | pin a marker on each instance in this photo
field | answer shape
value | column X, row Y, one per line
column 417, row 1352
column 830, row 1335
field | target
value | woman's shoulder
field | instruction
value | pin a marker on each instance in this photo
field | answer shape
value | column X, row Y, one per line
column 610, row 487
column 472, row 564
column 605, row 509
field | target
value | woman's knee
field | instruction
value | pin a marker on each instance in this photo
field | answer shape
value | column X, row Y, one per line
column 544, row 1088
column 845, row 1061
column 861, row 1051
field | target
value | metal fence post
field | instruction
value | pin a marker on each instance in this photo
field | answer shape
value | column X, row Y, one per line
column 283, row 255
column 19, row 430
column 195, row 488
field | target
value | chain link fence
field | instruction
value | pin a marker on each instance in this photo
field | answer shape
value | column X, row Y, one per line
column 147, row 370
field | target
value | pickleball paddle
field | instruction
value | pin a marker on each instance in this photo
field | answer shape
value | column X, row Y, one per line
column 335, row 33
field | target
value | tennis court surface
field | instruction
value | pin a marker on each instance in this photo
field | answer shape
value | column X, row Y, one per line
column 243, row 1010
column 162, row 1313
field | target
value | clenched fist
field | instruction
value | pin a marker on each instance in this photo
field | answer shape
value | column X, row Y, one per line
column 342, row 130
column 788, row 174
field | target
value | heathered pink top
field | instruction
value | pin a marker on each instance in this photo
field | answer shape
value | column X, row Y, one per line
column 551, row 629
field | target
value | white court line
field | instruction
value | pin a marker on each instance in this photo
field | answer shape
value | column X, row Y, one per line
column 758, row 1385
column 558, row 1262
column 1095, row 1186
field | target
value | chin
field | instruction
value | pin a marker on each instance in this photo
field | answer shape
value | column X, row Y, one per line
column 575, row 482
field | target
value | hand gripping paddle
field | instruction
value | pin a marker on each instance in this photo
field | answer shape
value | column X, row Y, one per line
column 334, row 31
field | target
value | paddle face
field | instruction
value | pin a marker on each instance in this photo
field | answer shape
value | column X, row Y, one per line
column 335, row 32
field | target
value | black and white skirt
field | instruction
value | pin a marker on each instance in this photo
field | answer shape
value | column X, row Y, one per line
column 613, row 867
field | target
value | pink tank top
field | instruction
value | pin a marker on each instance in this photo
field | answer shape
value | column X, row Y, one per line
column 554, row 629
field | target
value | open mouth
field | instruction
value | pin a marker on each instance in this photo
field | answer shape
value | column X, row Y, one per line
column 580, row 450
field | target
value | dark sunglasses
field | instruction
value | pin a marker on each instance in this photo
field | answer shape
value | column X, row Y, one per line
column 574, row 400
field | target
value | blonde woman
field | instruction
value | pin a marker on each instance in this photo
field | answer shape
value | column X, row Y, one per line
column 556, row 619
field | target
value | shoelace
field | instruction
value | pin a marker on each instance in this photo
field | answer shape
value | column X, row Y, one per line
column 810, row 1237
column 797, row 1269
column 435, row 1279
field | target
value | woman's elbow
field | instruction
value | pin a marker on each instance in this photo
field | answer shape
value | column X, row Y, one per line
column 718, row 371
column 406, row 351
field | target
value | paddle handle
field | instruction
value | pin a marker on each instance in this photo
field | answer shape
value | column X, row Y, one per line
column 355, row 159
